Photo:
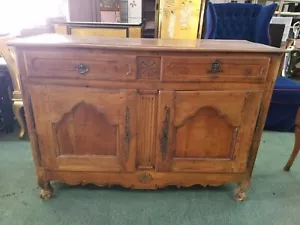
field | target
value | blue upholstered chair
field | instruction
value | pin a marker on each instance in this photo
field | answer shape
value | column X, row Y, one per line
column 284, row 105
column 239, row 21
column 251, row 22
column 284, row 112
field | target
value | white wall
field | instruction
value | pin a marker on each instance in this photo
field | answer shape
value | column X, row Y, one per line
column 19, row 14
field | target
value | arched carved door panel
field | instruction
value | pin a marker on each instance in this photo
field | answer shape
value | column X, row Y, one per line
column 207, row 131
column 85, row 129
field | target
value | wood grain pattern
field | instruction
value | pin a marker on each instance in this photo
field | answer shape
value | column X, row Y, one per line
column 197, row 119
column 133, row 180
column 85, row 130
column 264, row 107
column 156, row 85
column 146, row 130
column 148, row 67
column 145, row 133
column 99, row 66
column 200, row 69
column 78, row 133
column 140, row 44
column 201, row 130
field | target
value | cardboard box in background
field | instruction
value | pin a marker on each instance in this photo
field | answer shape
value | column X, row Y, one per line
column 287, row 21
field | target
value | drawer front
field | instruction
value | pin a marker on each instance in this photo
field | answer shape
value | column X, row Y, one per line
column 78, row 64
column 226, row 69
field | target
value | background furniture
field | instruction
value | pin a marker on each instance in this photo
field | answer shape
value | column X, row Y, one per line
column 163, row 19
column 205, row 104
column 276, row 32
column 6, row 113
column 95, row 11
column 239, row 21
column 284, row 105
column 10, row 59
column 291, row 9
column 100, row 29
column 179, row 19
column 285, row 101
column 284, row 112
column 288, row 8
column 134, row 11
column 296, row 148
column 150, row 18
column 109, row 11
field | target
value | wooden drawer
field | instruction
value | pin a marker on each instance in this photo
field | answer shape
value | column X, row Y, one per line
column 80, row 64
column 226, row 69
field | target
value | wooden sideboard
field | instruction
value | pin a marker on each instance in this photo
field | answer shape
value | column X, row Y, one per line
column 123, row 30
column 145, row 113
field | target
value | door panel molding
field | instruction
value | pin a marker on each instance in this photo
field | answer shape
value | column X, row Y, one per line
column 207, row 130
column 84, row 134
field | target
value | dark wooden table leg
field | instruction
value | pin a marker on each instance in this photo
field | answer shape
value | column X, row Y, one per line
column 296, row 144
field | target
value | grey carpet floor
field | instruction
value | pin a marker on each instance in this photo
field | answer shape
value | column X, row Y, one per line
column 274, row 197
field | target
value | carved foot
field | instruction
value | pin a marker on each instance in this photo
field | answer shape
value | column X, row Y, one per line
column 296, row 148
column 241, row 189
column 17, row 108
column 46, row 191
column 287, row 168
column 239, row 194
column 46, row 194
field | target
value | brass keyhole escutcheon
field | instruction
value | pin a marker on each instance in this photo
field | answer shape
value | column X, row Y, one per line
column 82, row 69
column 215, row 67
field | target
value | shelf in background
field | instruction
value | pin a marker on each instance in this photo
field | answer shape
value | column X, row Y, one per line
column 291, row 1
column 287, row 13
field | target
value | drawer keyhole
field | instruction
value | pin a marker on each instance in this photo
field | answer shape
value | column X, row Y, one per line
column 82, row 69
column 215, row 67
column 248, row 72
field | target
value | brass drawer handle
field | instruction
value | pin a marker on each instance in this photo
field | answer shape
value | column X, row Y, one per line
column 215, row 67
column 82, row 69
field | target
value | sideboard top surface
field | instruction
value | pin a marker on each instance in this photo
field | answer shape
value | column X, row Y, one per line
column 140, row 44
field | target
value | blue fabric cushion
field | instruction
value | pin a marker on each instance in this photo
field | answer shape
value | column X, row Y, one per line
column 281, row 117
column 262, row 34
column 238, row 21
column 286, row 91
column 210, row 22
column 284, row 105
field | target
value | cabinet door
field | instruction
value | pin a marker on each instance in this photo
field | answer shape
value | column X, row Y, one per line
column 205, row 131
column 85, row 129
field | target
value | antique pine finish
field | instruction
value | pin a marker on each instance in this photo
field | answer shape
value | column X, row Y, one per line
column 145, row 113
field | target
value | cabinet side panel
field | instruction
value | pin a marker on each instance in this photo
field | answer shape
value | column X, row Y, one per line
column 271, row 78
column 30, row 121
